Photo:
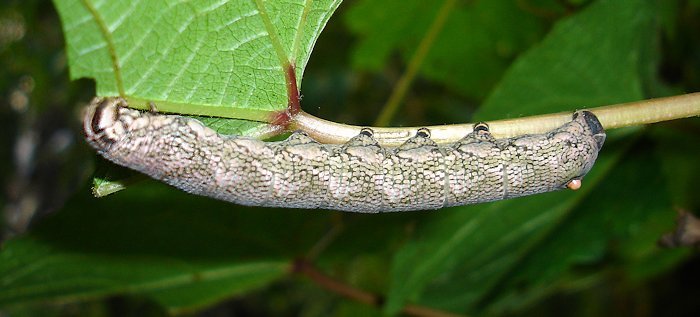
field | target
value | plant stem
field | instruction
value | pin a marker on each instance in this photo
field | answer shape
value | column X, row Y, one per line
column 649, row 111
column 612, row 117
column 392, row 105
column 328, row 238
column 307, row 269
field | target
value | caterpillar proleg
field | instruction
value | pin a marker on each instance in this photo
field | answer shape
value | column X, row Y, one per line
column 358, row 176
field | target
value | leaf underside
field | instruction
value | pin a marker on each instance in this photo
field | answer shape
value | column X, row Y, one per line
column 206, row 58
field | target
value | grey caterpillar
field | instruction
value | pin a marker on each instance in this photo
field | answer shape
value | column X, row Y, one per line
column 359, row 176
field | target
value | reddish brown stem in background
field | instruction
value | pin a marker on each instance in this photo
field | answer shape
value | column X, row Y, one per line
column 307, row 269
column 284, row 117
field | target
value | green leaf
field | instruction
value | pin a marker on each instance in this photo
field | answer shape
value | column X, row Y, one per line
column 181, row 250
column 33, row 272
column 455, row 261
column 678, row 153
column 225, row 58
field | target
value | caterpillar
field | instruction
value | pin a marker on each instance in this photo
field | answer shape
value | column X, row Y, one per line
column 358, row 176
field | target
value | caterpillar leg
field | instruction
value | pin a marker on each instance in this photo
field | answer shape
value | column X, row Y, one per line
column 152, row 108
column 480, row 133
column 365, row 138
column 422, row 138
column 481, row 127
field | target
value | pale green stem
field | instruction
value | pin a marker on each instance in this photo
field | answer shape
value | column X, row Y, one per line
column 613, row 116
column 392, row 105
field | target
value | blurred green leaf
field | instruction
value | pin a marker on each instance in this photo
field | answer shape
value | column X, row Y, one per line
column 587, row 60
column 623, row 222
column 182, row 250
column 455, row 261
column 678, row 152
column 475, row 47
column 456, row 258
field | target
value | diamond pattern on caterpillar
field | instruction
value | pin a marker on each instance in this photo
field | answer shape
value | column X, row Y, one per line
column 358, row 176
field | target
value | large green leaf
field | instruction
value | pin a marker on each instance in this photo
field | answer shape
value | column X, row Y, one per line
column 458, row 259
column 467, row 249
column 206, row 57
column 623, row 219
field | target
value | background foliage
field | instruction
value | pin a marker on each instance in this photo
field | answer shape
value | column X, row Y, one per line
column 151, row 249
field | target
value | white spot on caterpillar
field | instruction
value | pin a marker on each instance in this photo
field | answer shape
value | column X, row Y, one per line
column 358, row 176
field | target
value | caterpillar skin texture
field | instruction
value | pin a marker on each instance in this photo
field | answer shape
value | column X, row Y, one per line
column 358, row 176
